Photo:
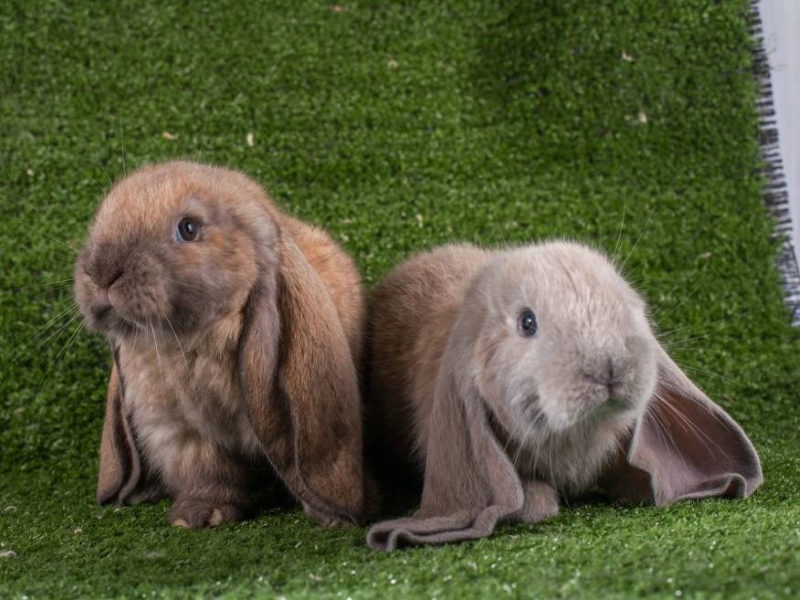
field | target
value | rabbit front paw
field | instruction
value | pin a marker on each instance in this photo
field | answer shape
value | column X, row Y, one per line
column 198, row 513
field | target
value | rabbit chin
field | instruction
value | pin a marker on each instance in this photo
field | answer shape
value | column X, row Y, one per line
column 569, row 451
column 117, row 325
column 585, row 415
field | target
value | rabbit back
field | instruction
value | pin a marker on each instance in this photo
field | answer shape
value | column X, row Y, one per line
column 411, row 316
column 338, row 273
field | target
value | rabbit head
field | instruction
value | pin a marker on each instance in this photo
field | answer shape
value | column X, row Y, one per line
column 563, row 355
column 176, row 244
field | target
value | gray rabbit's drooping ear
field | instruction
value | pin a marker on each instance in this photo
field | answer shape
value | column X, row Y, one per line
column 122, row 477
column 301, row 389
column 684, row 446
column 470, row 483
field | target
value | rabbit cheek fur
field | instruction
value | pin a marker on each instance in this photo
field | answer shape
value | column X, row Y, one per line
column 188, row 411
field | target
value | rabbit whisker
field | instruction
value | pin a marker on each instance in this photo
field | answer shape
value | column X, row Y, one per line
column 708, row 373
column 535, row 433
column 519, row 436
column 636, row 243
column 56, row 240
column 691, row 293
column 58, row 329
column 155, row 343
column 135, row 336
column 551, row 452
column 662, row 430
column 122, row 138
column 55, row 284
column 70, row 342
column 203, row 130
column 197, row 286
column 702, row 435
column 108, row 176
column 615, row 256
column 62, row 353
column 72, row 308
column 686, row 341
column 707, row 326
column 180, row 347
column 511, row 438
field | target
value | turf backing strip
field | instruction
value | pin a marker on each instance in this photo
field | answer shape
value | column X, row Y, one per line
column 776, row 194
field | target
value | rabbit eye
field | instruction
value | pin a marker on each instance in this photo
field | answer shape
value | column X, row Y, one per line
column 187, row 230
column 526, row 323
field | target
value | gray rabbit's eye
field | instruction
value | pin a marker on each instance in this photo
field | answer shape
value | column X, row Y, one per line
column 187, row 230
column 526, row 323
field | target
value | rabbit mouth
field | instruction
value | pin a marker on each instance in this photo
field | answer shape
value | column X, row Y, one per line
column 613, row 408
column 101, row 315
column 111, row 319
column 589, row 414
column 113, row 323
column 613, row 405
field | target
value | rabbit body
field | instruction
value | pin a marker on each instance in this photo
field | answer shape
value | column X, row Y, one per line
column 412, row 312
column 177, row 314
column 552, row 405
column 517, row 377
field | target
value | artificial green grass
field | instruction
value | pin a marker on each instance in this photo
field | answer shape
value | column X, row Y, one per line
column 398, row 126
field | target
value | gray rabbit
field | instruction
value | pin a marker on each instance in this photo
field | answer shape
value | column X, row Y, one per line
column 525, row 375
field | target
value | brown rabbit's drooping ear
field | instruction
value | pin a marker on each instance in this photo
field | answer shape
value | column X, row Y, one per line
column 470, row 484
column 119, row 461
column 122, row 476
column 301, row 389
column 688, row 445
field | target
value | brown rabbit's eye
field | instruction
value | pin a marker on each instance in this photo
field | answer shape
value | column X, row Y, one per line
column 187, row 230
column 527, row 324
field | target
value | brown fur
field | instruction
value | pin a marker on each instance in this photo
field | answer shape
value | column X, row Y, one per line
column 233, row 352
column 502, row 424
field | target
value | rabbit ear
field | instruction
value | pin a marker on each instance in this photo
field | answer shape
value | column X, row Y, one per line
column 122, row 477
column 120, row 467
column 301, row 389
column 470, row 483
column 688, row 445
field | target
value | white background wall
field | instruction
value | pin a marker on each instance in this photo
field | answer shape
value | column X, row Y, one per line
column 781, row 26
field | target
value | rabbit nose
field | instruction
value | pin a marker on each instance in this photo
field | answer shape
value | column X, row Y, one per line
column 618, row 371
column 609, row 372
column 102, row 303
column 604, row 371
column 613, row 377
column 104, row 279
column 107, row 265
column 111, row 279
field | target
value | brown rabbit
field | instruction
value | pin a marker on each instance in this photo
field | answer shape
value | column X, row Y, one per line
column 522, row 376
column 235, row 330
